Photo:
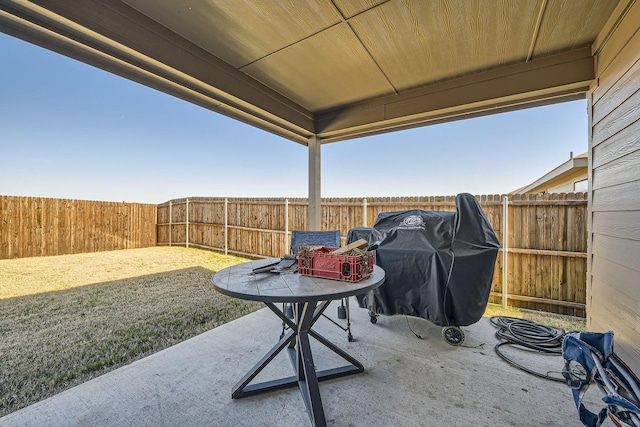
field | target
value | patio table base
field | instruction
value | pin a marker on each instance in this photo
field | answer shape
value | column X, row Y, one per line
column 296, row 340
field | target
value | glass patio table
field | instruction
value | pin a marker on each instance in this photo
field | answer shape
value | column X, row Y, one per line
column 310, row 296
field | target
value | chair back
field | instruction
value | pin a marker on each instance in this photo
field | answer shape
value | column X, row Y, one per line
column 316, row 238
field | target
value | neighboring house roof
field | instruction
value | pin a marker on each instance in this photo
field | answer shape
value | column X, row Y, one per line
column 571, row 171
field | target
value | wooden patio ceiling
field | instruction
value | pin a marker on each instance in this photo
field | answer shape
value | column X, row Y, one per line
column 331, row 69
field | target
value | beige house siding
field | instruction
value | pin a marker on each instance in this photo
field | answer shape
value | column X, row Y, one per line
column 561, row 179
column 613, row 291
column 564, row 185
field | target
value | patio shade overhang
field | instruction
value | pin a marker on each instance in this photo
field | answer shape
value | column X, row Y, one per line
column 319, row 71
column 331, row 69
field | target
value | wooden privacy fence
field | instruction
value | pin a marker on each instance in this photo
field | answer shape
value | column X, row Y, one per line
column 31, row 226
column 542, row 264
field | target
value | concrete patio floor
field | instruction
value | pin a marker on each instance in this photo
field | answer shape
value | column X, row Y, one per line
column 407, row 382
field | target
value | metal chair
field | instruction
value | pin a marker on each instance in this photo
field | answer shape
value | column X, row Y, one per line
column 329, row 239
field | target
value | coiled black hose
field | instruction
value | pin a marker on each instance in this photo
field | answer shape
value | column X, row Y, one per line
column 531, row 335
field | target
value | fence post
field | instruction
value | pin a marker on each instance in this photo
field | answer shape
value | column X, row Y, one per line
column 364, row 212
column 187, row 224
column 286, row 225
column 505, row 249
column 170, row 221
column 226, row 226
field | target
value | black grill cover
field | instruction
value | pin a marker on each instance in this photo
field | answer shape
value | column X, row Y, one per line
column 438, row 265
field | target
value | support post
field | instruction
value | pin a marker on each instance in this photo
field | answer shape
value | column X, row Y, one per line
column 187, row 224
column 505, row 249
column 286, row 226
column 364, row 212
column 170, row 221
column 314, row 209
column 226, row 226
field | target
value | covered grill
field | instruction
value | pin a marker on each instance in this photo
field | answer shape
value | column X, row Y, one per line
column 438, row 265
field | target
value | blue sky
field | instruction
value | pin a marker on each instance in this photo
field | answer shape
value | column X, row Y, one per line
column 68, row 130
